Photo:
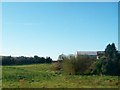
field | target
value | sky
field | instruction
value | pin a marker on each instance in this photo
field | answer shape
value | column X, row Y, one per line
column 54, row 28
column 0, row 28
column 60, row 0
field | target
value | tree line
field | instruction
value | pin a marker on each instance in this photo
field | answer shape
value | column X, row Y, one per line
column 9, row 60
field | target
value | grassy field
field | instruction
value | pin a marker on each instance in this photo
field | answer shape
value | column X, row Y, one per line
column 42, row 76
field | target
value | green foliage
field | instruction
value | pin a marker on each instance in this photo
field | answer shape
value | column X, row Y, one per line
column 98, row 66
column 48, row 60
column 111, row 52
column 56, row 66
column 111, row 67
column 108, row 64
column 83, row 63
column 77, row 64
column 9, row 60
column 68, row 65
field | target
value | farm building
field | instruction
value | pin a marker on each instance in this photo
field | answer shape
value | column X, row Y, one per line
column 93, row 54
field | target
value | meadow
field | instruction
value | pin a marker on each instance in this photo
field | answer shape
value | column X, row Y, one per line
column 43, row 76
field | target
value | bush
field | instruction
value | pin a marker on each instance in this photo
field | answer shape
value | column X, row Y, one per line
column 57, row 66
column 77, row 65
column 68, row 65
column 98, row 66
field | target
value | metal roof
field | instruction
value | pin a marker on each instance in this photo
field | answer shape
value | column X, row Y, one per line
column 86, row 53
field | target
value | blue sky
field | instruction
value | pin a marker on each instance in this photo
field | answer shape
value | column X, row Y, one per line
column 50, row 29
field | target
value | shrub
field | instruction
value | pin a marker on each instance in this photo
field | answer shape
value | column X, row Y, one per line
column 56, row 66
column 98, row 66
column 68, row 65
column 77, row 65
column 83, row 63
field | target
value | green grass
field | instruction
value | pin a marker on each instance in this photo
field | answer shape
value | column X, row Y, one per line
column 42, row 76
